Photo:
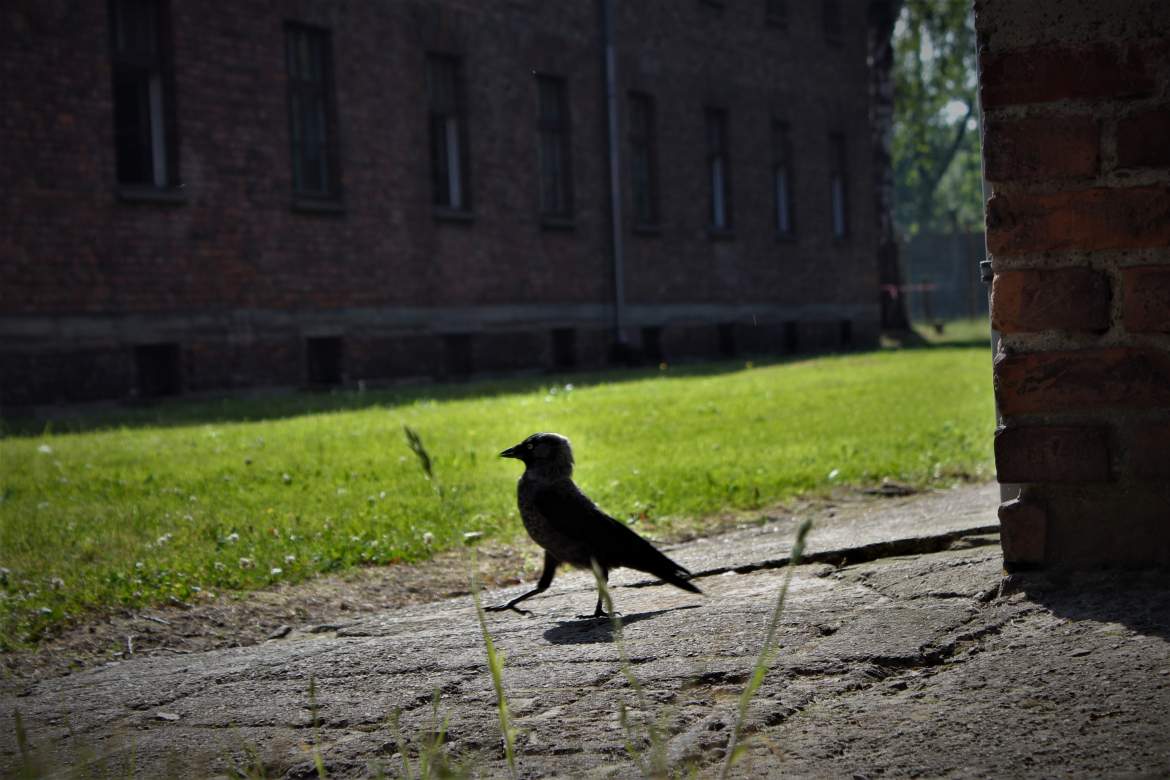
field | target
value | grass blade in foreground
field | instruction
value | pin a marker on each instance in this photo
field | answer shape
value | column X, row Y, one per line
column 657, row 766
column 767, row 654
column 496, row 667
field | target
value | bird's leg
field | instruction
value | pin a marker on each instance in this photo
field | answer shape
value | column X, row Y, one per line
column 598, row 612
column 546, row 578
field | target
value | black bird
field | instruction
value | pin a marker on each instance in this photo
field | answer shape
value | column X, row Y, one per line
column 570, row 527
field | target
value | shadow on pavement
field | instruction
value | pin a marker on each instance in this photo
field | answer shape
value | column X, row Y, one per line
column 589, row 631
column 1138, row 600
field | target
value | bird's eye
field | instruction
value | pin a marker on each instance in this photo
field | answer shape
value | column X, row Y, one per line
column 529, row 445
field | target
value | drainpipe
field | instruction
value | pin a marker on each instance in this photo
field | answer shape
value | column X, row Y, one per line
column 620, row 346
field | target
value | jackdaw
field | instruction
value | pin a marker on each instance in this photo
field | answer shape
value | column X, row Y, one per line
column 570, row 527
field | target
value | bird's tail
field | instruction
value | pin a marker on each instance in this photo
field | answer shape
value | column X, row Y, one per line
column 648, row 559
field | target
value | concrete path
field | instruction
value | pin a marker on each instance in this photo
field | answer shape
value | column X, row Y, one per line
column 902, row 651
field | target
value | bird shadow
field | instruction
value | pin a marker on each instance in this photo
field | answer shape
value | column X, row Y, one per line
column 590, row 631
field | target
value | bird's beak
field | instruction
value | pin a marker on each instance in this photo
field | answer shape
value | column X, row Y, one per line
column 510, row 453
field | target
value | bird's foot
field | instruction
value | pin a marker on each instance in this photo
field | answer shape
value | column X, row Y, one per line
column 505, row 607
column 599, row 615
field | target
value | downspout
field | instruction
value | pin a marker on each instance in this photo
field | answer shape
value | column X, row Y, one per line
column 620, row 348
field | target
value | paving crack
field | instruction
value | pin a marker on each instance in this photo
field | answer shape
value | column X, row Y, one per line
column 849, row 556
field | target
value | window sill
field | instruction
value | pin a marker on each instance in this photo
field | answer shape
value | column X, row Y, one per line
column 163, row 196
column 720, row 234
column 311, row 205
column 647, row 230
column 557, row 223
column 445, row 214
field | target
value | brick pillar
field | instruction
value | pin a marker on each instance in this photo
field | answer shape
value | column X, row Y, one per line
column 1076, row 146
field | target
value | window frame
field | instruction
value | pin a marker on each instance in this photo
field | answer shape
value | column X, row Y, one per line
column 322, row 92
column 643, row 142
column 776, row 13
column 447, row 121
column 554, row 132
column 833, row 22
column 783, row 208
column 839, row 186
column 720, row 210
column 153, row 67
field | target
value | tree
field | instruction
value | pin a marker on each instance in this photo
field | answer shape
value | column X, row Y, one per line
column 936, row 163
column 881, row 18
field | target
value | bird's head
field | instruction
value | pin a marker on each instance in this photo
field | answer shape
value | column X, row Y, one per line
column 549, row 453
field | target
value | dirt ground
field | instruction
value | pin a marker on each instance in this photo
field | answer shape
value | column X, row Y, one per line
column 242, row 619
column 249, row 618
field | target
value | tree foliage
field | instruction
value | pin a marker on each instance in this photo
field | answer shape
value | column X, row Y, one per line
column 936, row 138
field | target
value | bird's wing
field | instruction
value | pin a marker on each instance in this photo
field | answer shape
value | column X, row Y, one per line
column 610, row 541
column 571, row 513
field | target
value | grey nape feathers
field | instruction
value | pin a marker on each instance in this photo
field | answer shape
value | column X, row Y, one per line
column 570, row 527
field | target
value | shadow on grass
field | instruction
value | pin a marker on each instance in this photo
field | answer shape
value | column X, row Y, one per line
column 592, row 631
column 272, row 404
column 262, row 405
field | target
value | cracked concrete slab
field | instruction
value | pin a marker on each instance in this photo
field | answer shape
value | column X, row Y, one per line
column 899, row 653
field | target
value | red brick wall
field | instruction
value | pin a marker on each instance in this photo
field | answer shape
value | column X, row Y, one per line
column 238, row 278
column 1076, row 147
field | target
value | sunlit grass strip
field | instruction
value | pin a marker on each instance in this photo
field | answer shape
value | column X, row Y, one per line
column 190, row 499
column 766, row 657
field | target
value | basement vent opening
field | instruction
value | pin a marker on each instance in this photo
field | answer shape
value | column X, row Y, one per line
column 158, row 369
column 791, row 338
column 564, row 347
column 846, row 334
column 652, row 344
column 727, row 346
column 457, row 362
column 323, row 361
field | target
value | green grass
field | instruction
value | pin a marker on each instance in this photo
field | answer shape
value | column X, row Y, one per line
column 134, row 507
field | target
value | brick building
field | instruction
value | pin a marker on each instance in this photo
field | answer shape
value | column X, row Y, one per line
column 1076, row 146
column 203, row 195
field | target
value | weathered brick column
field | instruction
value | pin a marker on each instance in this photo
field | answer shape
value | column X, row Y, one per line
column 1076, row 146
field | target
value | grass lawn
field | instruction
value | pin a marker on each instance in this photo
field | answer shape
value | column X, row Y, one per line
column 140, row 505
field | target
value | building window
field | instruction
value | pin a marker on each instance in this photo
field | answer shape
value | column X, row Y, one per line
column 833, row 23
column 312, row 118
column 556, row 180
column 838, row 185
column 718, row 168
column 448, row 132
column 144, row 105
column 776, row 12
column 782, row 185
column 643, row 159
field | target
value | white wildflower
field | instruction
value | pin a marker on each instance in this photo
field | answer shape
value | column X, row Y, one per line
column 290, row 559
column 428, row 538
column 246, row 563
column 45, row 449
column 232, row 538
column 276, row 571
